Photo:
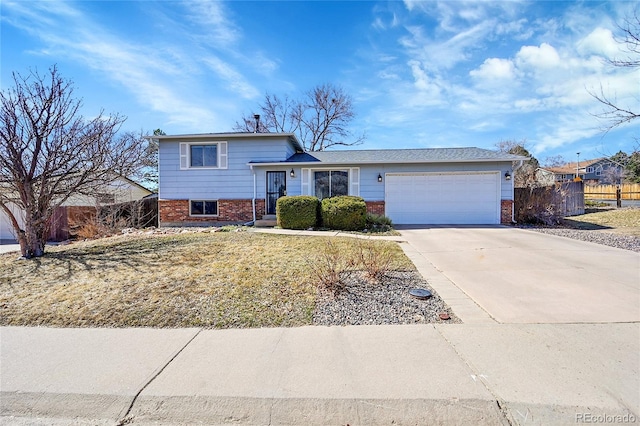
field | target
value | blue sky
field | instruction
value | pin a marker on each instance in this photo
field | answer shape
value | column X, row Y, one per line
column 421, row 73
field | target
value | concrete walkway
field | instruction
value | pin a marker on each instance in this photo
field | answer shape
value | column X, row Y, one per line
column 9, row 248
column 480, row 372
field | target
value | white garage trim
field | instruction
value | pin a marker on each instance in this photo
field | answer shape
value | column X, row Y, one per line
column 443, row 197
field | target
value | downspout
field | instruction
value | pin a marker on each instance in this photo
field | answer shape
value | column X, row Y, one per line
column 513, row 171
column 253, row 200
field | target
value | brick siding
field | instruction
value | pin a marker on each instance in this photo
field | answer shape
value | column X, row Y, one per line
column 506, row 212
column 375, row 207
column 176, row 212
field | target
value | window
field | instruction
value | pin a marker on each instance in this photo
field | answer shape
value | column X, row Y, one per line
column 599, row 171
column 203, row 155
column 589, row 169
column 203, row 208
column 331, row 183
column 209, row 155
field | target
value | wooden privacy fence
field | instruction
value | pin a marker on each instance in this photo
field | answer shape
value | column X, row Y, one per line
column 548, row 204
column 75, row 221
column 628, row 191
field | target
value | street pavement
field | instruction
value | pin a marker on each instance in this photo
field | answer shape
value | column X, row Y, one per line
column 498, row 367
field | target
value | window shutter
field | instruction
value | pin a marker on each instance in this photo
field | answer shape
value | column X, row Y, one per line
column 184, row 159
column 222, row 155
column 354, row 182
column 306, row 180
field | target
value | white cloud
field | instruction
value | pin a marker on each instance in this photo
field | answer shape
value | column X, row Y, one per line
column 543, row 57
column 235, row 80
column 426, row 85
column 494, row 70
column 213, row 16
column 67, row 33
column 599, row 42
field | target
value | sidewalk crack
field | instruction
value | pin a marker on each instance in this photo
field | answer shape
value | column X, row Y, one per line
column 125, row 418
column 502, row 406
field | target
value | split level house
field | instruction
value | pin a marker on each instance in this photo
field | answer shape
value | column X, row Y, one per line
column 216, row 178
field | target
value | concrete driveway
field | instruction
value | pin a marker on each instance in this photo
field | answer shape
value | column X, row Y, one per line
column 520, row 276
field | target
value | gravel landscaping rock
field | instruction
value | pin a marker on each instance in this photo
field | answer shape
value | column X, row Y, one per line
column 626, row 242
column 388, row 302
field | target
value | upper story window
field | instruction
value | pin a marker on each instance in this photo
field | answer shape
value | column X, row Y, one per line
column 203, row 155
column 590, row 169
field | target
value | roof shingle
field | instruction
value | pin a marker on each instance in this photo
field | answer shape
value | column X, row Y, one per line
column 424, row 155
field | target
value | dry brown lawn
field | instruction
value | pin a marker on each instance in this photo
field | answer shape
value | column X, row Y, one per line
column 622, row 221
column 223, row 279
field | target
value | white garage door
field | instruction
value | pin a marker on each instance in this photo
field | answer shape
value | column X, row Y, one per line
column 6, row 230
column 443, row 198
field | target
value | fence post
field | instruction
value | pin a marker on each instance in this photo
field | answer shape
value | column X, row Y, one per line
column 618, row 197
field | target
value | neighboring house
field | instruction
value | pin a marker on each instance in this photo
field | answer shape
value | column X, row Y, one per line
column 238, row 177
column 599, row 170
column 545, row 177
column 119, row 191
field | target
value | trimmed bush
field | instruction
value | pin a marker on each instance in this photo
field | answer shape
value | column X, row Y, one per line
column 344, row 213
column 378, row 223
column 297, row 212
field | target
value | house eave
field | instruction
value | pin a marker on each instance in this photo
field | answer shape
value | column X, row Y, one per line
column 357, row 163
column 226, row 136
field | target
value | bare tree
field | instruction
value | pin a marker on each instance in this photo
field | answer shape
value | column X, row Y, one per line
column 613, row 175
column 320, row 119
column 614, row 113
column 49, row 152
column 149, row 161
column 555, row 161
column 524, row 176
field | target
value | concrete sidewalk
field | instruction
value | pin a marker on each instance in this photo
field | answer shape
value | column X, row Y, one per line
column 361, row 375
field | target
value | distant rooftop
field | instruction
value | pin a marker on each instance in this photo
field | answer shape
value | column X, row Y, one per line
column 571, row 167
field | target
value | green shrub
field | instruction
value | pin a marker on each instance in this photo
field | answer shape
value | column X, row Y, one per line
column 344, row 213
column 297, row 212
column 378, row 223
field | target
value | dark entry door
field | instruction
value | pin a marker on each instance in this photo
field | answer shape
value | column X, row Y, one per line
column 276, row 188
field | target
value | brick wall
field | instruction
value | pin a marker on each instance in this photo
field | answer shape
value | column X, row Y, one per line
column 375, row 207
column 506, row 212
column 175, row 212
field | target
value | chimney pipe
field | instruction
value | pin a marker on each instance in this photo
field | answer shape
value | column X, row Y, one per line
column 257, row 117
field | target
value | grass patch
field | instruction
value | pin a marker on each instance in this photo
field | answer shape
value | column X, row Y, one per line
column 220, row 280
column 623, row 221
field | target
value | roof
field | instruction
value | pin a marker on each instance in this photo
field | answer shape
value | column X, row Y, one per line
column 571, row 167
column 230, row 135
column 423, row 155
column 134, row 183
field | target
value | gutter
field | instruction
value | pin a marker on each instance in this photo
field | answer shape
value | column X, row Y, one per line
column 253, row 200
column 359, row 163
column 513, row 171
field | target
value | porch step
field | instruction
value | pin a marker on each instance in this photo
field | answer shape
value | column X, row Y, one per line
column 269, row 217
column 265, row 223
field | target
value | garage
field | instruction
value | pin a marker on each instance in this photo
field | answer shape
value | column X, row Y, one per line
column 471, row 198
column 6, row 229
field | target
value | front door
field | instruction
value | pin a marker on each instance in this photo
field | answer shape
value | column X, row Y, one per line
column 276, row 188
